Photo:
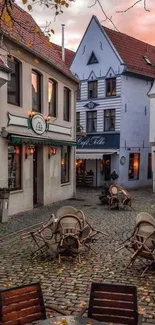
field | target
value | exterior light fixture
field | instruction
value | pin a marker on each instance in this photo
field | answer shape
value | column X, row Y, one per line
column 16, row 150
column 31, row 113
column 29, row 151
column 47, row 118
column 51, row 151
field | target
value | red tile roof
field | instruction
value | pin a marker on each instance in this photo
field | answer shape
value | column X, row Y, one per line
column 132, row 51
column 27, row 33
column 69, row 54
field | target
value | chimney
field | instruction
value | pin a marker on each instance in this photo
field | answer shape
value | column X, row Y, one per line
column 63, row 47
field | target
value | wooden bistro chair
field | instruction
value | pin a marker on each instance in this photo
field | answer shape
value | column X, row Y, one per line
column 43, row 236
column 113, row 199
column 113, row 304
column 24, row 304
column 68, row 230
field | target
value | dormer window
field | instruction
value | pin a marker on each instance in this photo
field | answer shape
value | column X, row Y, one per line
column 147, row 60
column 92, row 59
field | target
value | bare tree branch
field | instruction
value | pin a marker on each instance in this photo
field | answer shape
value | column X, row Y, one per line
column 105, row 15
column 133, row 5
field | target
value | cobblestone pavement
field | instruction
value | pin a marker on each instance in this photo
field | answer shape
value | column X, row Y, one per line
column 68, row 285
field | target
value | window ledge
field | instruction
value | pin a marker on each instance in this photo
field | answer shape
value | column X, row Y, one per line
column 66, row 184
column 16, row 191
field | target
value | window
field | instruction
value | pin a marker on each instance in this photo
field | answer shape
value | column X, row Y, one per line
column 109, row 120
column 147, row 60
column 52, row 97
column 149, row 168
column 14, row 167
column 92, row 59
column 92, row 121
column 36, row 91
column 111, row 87
column 66, row 104
column 134, row 163
column 92, row 89
column 78, row 92
column 14, row 83
column 65, row 164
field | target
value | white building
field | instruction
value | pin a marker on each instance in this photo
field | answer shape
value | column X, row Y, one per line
column 37, row 119
column 113, row 107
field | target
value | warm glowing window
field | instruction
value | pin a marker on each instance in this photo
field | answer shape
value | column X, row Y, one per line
column 36, row 91
column 111, row 87
column 14, row 167
column 52, row 97
column 134, row 164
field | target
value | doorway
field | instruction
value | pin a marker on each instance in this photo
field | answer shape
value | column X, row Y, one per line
column 107, row 167
column 35, row 170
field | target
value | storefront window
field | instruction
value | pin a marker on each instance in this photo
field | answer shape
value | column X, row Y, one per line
column 149, row 169
column 65, row 164
column 134, row 163
column 14, row 167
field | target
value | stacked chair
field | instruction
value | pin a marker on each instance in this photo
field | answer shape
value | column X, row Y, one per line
column 142, row 241
column 68, row 229
column 118, row 197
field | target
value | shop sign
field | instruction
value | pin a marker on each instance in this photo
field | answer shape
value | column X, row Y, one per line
column 102, row 141
column 38, row 124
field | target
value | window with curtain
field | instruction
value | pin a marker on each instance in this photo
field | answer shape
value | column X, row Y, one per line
column 92, row 89
column 67, row 99
column 36, row 91
column 111, row 87
column 109, row 120
column 91, row 121
column 14, row 167
column 65, row 164
column 14, row 85
column 149, row 166
column 78, row 122
column 52, row 97
column 134, row 164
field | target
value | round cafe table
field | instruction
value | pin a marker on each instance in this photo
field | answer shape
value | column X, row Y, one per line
column 69, row 320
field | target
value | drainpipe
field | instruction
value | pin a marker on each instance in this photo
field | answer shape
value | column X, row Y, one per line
column 63, row 41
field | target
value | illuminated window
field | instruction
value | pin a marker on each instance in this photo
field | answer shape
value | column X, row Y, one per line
column 111, row 87
column 14, row 167
column 134, row 164
column 52, row 97
column 36, row 91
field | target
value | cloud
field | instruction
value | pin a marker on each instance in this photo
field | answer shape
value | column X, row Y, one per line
column 136, row 22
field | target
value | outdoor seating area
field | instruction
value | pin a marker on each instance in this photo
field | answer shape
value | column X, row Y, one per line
column 107, row 303
column 116, row 197
column 68, row 230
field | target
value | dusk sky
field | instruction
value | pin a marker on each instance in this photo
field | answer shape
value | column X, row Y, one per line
column 137, row 22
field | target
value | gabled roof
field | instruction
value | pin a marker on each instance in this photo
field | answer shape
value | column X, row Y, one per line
column 27, row 33
column 132, row 52
column 69, row 54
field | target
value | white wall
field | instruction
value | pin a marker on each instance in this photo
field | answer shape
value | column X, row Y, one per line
column 135, row 115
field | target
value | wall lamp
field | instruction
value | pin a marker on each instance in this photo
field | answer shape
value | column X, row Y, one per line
column 29, row 151
column 51, row 151
column 31, row 113
column 16, row 150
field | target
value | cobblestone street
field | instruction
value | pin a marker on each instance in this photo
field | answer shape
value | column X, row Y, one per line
column 68, row 285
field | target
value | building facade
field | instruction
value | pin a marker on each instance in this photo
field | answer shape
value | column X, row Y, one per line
column 113, row 107
column 37, row 121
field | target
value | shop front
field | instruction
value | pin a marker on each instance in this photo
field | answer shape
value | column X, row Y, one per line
column 96, row 157
column 38, row 161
